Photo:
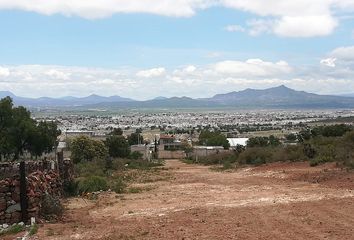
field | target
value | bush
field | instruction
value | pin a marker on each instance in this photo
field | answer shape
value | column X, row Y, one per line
column 92, row 184
column 314, row 162
column 94, row 168
column 256, row 155
column 33, row 230
column 227, row 165
column 71, row 188
column 291, row 153
column 51, row 207
column 13, row 229
column 136, row 155
column 143, row 164
column 219, row 158
column 118, row 185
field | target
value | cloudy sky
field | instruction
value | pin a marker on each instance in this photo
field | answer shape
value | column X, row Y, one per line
column 147, row 48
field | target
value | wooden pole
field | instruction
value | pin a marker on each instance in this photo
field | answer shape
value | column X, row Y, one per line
column 23, row 192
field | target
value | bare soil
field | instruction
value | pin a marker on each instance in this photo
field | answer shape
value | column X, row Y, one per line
column 274, row 201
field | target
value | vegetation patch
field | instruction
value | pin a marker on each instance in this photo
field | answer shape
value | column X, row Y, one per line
column 33, row 230
column 319, row 145
column 13, row 229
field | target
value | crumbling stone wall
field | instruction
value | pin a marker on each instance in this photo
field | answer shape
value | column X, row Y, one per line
column 10, row 210
column 39, row 182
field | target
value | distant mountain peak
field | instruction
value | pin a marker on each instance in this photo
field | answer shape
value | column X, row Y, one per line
column 94, row 95
column 159, row 98
column 275, row 97
column 6, row 93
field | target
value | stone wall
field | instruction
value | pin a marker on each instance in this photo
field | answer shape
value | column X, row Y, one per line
column 39, row 182
column 9, row 169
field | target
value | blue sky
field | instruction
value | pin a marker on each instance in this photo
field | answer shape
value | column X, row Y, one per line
column 128, row 47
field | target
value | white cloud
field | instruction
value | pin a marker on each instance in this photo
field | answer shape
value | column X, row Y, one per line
column 4, row 72
column 289, row 18
column 153, row 72
column 235, row 28
column 92, row 9
column 305, row 26
column 189, row 69
column 260, row 26
column 188, row 80
column 54, row 73
column 292, row 18
column 329, row 62
column 252, row 68
column 343, row 53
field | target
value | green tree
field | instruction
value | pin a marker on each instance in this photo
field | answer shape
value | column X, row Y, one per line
column 270, row 141
column 19, row 133
column 5, row 125
column 84, row 148
column 304, row 135
column 117, row 131
column 135, row 138
column 273, row 141
column 215, row 138
column 291, row 137
column 258, row 142
column 43, row 138
column 117, row 146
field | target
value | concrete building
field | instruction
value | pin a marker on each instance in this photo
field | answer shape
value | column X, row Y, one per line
column 237, row 141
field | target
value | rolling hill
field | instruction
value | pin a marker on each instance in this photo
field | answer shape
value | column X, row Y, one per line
column 276, row 97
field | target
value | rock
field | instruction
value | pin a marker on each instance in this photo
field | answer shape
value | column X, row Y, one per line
column 3, row 188
column 16, row 197
column 13, row 208
column 4, row 226
column 3, row 204
column 16, row 217
column 11, row 202
column 16, row 183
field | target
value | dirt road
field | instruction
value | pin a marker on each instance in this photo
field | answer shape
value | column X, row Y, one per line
column 277, row 201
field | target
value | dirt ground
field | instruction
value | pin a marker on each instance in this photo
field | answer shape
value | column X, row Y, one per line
column 275, row 201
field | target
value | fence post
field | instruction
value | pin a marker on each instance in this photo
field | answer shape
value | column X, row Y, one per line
column 60, row 158
column 23, row 192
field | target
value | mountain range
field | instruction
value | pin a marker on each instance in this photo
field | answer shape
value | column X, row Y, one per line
column 276, row 97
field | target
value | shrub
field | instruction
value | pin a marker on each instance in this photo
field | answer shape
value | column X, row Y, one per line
column 13, row 229
column 71, row 188
column 219, row 158
column 118, row 164
column 118, row 185
column 92, row 184
column 227, row 165
column 94, row 168
column 136, row 155
column 256, row 155
column 314, row 162
column 288, row 153
column 135, row 190
column 51, row 207
column 33, row 230
column 143, row 164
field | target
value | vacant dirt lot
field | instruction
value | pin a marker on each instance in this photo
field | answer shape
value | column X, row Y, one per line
column 277, row 201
